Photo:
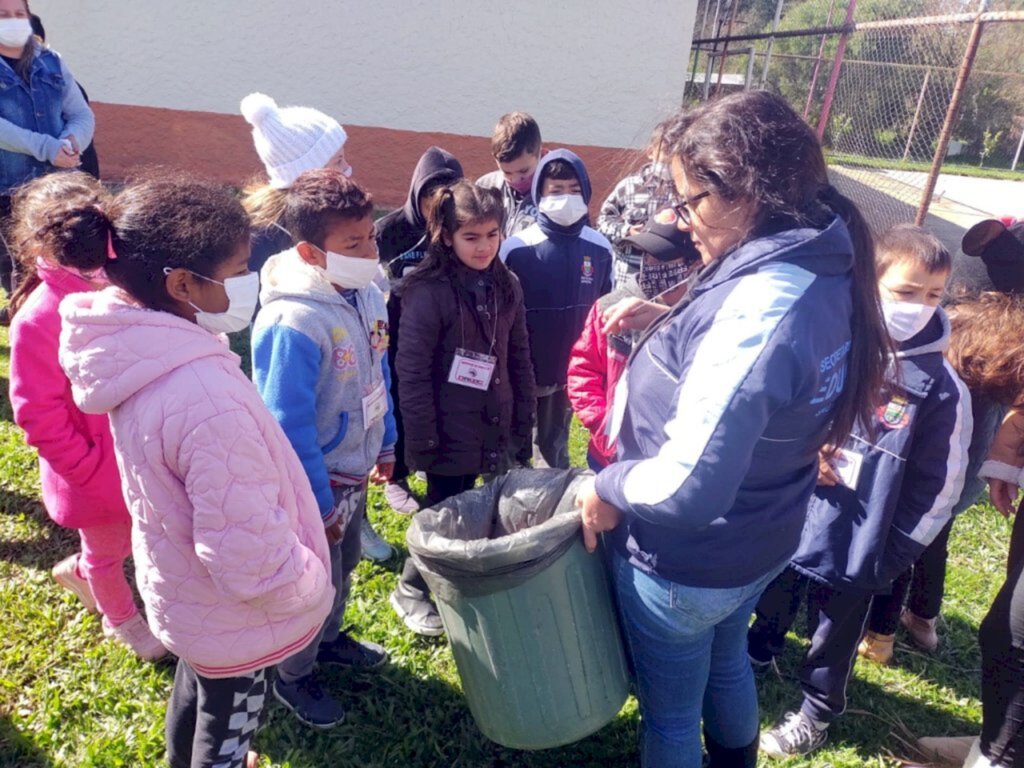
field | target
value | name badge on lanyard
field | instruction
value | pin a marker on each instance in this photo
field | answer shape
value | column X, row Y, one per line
column 375, row 405
column 472, row 369
column 619, row 398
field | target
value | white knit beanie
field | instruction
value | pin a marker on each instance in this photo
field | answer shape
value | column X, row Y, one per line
column 291, row 140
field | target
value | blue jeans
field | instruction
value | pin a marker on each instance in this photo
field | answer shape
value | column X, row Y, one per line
column 689, row 651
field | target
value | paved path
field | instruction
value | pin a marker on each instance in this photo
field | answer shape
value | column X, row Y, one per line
column 890, row 197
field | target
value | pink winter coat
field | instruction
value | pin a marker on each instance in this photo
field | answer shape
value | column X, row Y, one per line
column 230, row 552
column 77, row 468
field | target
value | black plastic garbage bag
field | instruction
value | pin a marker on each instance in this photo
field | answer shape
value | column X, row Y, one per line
column 499, row 535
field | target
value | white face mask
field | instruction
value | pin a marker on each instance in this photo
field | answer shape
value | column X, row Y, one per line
column 349, row 271
column 14, row 33
column 904, row 319
column 564, row 210
column 243, row 295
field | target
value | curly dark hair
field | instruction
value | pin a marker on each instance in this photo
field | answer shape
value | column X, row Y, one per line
column 170, row 221
column 60, row 217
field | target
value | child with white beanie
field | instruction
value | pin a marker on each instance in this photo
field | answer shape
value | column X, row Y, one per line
column 291, row 141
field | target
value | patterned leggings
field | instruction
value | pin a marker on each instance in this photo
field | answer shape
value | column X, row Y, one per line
column 210, row 723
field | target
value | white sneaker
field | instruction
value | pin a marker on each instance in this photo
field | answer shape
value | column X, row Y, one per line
column 66, row 574
column 374, row 547
column 136, row 635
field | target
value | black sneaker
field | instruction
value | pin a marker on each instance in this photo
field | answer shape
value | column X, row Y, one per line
column 355, row 654
column 419, row 614
column 310, row 703
column 794, row 735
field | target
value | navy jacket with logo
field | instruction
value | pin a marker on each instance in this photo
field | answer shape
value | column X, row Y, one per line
column 726, row 404
column 563, row 271
column 912, row 474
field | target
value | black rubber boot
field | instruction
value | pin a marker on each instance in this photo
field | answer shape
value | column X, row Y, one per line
column 725, row 757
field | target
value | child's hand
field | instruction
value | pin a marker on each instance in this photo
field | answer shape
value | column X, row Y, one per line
column 826, row 472
column 335, row 531
column 382, row 472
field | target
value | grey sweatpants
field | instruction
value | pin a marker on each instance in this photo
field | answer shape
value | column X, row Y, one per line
column 345, row 556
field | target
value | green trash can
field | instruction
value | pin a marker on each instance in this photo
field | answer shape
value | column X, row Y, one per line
column 528, row 611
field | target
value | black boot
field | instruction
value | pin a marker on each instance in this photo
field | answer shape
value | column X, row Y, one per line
column 724, row 757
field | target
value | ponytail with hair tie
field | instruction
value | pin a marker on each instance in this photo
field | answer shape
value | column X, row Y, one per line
column 111, row 253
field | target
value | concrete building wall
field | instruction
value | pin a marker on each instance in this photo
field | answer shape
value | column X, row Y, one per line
column 166, row 78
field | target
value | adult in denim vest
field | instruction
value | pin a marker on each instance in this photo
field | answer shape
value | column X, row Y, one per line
column 44, row 120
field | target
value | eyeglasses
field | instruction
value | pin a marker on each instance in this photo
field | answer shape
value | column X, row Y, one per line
column 682, row 209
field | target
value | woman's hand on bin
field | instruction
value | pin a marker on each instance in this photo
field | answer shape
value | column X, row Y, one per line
column 598, row 515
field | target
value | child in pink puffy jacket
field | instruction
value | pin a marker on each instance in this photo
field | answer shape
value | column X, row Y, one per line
column 77, row 469
column 230, row 552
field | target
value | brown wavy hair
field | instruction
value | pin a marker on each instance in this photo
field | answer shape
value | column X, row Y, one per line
column 986, row 346
column 752, row 147
column 58, row 217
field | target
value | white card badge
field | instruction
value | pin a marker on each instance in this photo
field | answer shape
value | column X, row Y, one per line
column 619, row 397
column 472, row 369
column 847, row 465
column 375, row 405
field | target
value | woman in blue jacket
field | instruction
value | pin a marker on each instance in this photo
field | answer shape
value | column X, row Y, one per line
column 777, row 349
column 45, row 121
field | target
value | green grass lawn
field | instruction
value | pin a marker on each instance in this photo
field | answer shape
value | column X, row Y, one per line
column 70, row 698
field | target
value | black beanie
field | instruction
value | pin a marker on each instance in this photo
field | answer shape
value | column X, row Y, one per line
column 992, row 259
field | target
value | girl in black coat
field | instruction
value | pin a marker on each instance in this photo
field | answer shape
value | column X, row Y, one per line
column 465, row 379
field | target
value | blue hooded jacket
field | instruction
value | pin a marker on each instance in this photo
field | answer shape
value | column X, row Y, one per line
column 912, row 473
column 563, row 271
column 724, row 407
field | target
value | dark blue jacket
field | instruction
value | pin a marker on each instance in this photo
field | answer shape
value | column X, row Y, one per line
column 725, row 406
column 563, row 271
column 912, row 473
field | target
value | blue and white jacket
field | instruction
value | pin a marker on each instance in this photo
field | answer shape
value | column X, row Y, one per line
column 316, row 354
column 563, row 271
column 912, row 473
column 724, row 407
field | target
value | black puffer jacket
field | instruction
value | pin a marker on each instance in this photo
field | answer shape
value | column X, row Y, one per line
column 452, row 429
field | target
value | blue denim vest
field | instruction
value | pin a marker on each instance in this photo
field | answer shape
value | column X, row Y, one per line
column 35, row 106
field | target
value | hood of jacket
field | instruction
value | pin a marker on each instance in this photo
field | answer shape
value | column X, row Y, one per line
column 547, row 225
column 435, row 165
column 823, row 252
column 286, row 275
column 111, row 347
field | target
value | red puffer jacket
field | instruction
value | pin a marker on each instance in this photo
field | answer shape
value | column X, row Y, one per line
column 596, row 362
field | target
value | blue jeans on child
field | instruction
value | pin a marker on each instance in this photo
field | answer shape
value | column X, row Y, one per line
column 689, row 652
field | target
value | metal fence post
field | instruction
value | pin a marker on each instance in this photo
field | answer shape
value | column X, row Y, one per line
column 833, row 79
column 817, row 63
column 917, row 113
column 951, row 115
column 771, row 43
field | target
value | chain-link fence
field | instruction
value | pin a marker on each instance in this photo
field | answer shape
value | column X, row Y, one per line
column 877, row 78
